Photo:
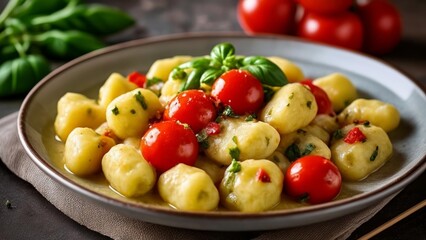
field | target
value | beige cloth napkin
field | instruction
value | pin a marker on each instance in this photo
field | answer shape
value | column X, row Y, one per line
column 116, row 226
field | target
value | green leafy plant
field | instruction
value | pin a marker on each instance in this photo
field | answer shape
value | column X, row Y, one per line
column 32, row 31
column 222, row 58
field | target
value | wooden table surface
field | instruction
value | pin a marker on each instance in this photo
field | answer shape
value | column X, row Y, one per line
column 35, row 218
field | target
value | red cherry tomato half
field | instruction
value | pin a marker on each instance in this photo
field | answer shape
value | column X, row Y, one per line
column 240, row 90
column 382, row 25
column 321, row 97
column 266, row 16
column 343, row 30
column 326, row 6
column 313, row 179
column 192, row 107
column 169, row 143
column 137, row 78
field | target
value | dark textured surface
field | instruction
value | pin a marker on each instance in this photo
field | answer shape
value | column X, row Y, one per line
column 30, row 216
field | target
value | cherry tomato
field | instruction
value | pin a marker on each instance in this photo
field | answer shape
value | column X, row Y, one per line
column 344, row 29
column 192, row 107
column 355, row 135
column 240, row 90
column 266, row 16
column 169, row 143
column 382, row 25
column 313, row 179
column 326, row 6
column 137, row 78
column 321, row 97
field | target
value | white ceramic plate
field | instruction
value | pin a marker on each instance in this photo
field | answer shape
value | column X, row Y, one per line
column 373, row 79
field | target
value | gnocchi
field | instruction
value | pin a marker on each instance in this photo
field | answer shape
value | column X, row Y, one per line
column 291, row 100
column 378, row 113
column 339, row 89
column 188, row 188
column 254, row 186
column 84, row 150
column 358, row 160
column 76, row 110
column 127, row 171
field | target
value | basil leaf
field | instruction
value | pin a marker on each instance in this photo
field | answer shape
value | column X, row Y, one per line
column 38, row 7
column 19, row 75
column 106, row 20
column 210, row 75
column 222, row 51
column 196, row 63
column 193, row 81
column 67, row 44
column 266, row 71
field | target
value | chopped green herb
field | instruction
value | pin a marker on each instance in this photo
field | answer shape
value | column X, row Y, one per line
column 202, row 139
column 309, row 148
column 115, row 111
column 250, row 117
column 338, row 134
column 291, row 96
column 301, row 131
column 267, row 141
column 234, row 167
column 132, row 111
column 152, row 81
column 8, row 204
column 89, row 111
column 304, row 198
column 141, row 99
column 309, row 104
column 366, row 124
column 374, row 154
column 234, row 152
column 292, row 152
column 347, row 102
column 228, row 112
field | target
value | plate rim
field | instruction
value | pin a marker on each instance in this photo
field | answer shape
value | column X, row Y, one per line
column 362, row 199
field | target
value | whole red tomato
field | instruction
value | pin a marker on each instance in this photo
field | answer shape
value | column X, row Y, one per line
column 192, row 107
column 169, row 143
column 382, row 25
column 266, row 16
column 313, row 179
column 240, row 90
column 343, row 29
column 326, row 6
column 323, row 101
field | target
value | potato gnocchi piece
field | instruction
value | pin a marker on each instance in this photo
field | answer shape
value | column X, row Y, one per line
column 339, row 89
column 127, row 171
column 76, row 110
column 378, row 113
column 128, row 114
column 214, row 170
column 291, row 108
column 133, row 141
column 327, row 122
column 170, row 89
column 293, row 72
column 253, row 140
column 161, row 68
column 302, row 143
column 84, row 150
column 188, row 188
column 282, row 161
column 251, row 186
column 358, row 160
column 113, row 87
column 318, row 132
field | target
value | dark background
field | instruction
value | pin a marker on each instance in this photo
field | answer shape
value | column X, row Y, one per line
column 32, row 217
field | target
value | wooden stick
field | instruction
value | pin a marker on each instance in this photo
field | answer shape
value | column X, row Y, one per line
column 394, row 220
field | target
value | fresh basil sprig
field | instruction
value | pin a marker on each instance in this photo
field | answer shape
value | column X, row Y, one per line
column 31, row 30
column 222, row 58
